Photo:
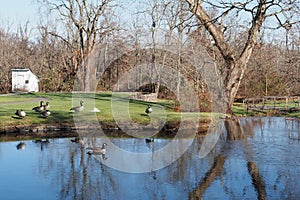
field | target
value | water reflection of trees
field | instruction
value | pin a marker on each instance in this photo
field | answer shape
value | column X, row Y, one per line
column 270, row 158
column 234, row 131
column 80, row 176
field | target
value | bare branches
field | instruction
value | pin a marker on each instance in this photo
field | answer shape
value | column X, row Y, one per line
column 85, row 23
column 249, row 14
column 212, row 28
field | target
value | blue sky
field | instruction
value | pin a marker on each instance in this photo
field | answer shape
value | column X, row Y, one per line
column 16, row 12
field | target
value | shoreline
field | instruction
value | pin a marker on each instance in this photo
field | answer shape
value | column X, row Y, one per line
column 110, row 129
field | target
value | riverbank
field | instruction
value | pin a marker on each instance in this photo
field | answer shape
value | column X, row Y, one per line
column 61, row 121
column 110, row 129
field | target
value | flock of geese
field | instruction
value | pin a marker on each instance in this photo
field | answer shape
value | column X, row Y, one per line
column 44, row 110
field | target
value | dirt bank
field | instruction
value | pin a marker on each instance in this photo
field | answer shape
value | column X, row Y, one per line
column 110, row 129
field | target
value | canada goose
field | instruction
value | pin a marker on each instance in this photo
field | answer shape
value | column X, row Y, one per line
column 78, row 140
column 97, row 150
column 148, row 110
column 45, row 113
column 21, row 146
column 39, row 108
column 47, row 106
column 78, row 108
column 20, row 113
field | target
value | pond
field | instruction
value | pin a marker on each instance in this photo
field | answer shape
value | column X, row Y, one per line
column 264, row 164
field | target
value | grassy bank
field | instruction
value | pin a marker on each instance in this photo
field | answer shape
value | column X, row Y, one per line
column 239, row 110
column 112, row 108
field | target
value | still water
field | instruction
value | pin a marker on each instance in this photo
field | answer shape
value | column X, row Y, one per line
column 262, row 164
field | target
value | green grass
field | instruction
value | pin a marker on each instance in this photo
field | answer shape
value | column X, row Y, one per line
column 239, row 110
column 112, row 108
column 9, row 99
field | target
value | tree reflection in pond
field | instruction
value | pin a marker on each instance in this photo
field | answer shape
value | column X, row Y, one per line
column 262, row 164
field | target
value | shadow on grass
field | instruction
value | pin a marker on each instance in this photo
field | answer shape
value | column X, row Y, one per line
column 15, row 117
column 58, row 117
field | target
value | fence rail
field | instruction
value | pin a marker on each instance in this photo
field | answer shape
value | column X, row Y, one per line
column 280, row 103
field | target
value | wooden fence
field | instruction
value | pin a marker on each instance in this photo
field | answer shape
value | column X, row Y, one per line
column 280, row 103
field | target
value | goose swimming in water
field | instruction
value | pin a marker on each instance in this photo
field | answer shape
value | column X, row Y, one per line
column 97, row 150
column 20, row 113
column 39, row 108
column 148, row 110
column 78, row 108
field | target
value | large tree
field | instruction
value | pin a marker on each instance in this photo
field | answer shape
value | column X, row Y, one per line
column 222, row 18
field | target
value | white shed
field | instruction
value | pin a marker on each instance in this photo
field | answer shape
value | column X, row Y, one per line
column 24, row 80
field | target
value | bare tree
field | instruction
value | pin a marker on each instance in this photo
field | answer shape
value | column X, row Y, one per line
column 86, row 24
column 17, row 51
column 252, row 15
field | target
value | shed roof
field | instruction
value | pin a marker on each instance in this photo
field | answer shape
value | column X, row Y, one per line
column 25, row 70
column 20, row 70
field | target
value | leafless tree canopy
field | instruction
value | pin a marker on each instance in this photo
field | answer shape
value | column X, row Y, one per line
column 221, row 18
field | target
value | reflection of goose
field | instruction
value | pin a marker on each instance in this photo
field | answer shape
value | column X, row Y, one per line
column 78, row 140
column 46, row 141
column 39, row 108
column 21, row 146
column 148, row 110
column 78, row 108
column 42, row 142
column 20, row 113
column 97, row 150
column 148, row 140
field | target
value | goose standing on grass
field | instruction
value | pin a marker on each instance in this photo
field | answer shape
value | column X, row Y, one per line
column 148, row 110
column 78, row 108
column 20, row 113
column 45, row 113
column 47, row 106
column 97, row 150
column 39, row 108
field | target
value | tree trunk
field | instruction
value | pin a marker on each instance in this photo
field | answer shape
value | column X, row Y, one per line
column 234, row 69
column 232, row 82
